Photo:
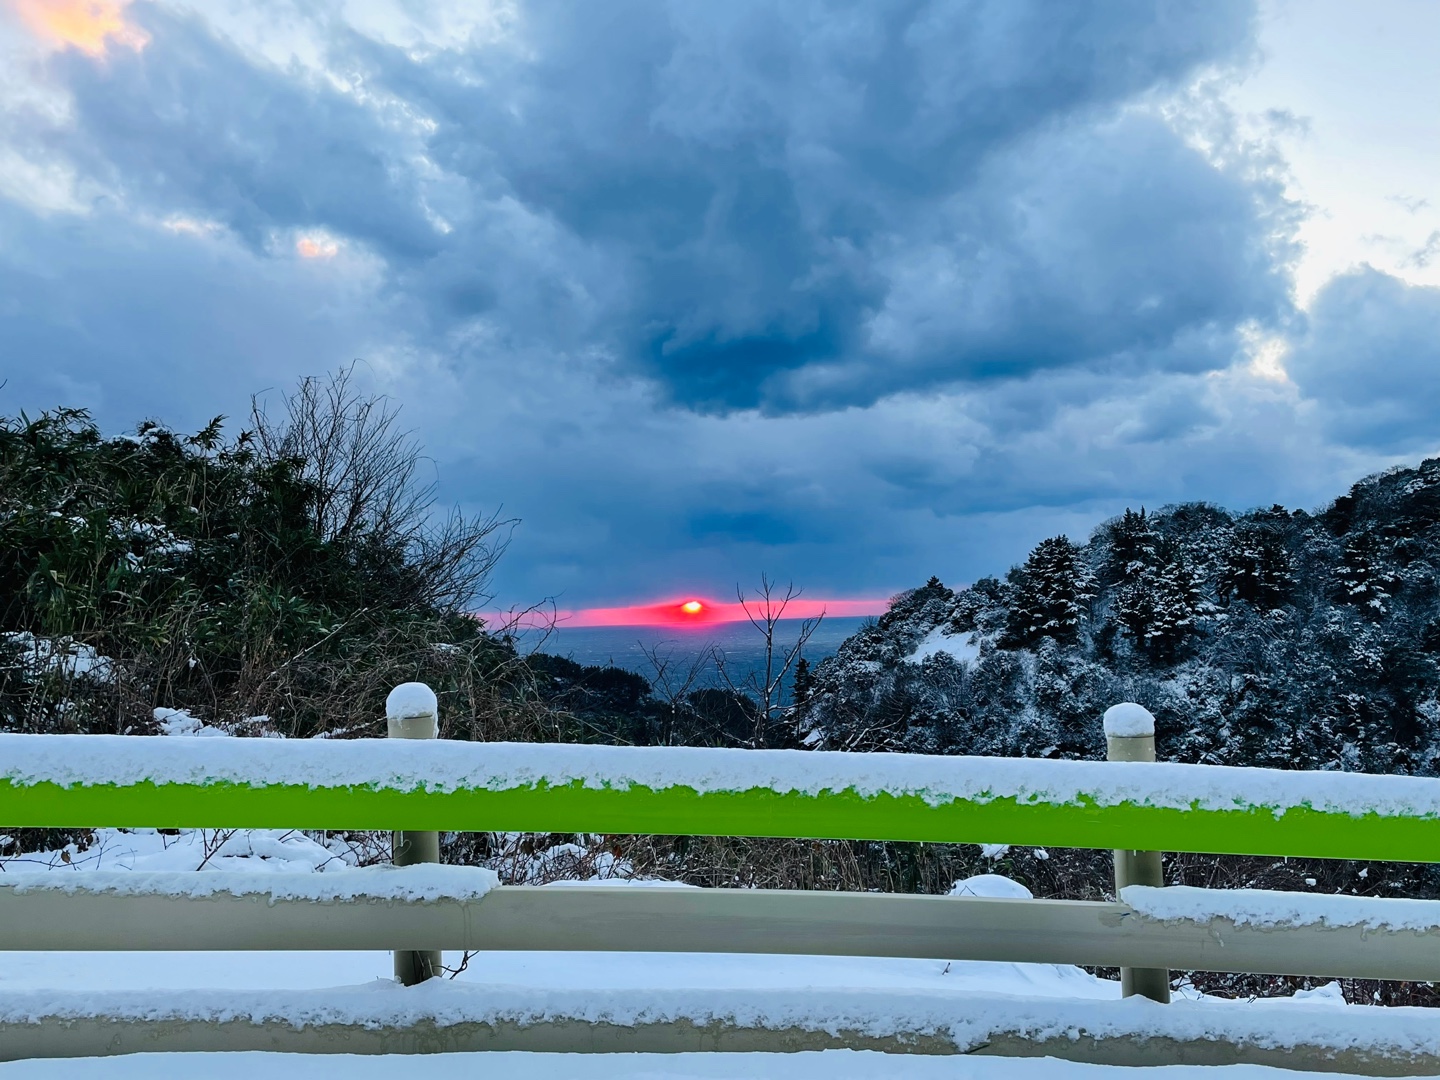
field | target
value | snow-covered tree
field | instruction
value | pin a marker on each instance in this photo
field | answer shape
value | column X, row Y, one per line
column 1052, row 594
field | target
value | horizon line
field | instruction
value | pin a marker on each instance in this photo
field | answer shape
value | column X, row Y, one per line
column 692, row 611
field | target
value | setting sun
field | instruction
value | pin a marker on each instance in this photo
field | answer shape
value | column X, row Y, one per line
column 692, row 607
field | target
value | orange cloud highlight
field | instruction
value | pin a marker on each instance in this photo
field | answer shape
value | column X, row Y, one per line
column 87, row 25
column 316, row 247
column 684, row 612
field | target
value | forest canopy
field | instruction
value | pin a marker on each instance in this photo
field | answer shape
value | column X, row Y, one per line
column 1272, row 637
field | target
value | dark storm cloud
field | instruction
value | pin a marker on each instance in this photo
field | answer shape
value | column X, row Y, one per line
column 1370, row 357
column 812, row 206
column 785, row 206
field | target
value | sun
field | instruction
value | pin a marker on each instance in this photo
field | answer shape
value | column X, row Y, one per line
column 692, row 607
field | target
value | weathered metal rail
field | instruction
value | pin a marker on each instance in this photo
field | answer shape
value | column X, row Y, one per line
column 610, row 919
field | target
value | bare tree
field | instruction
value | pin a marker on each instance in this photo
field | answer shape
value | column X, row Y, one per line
column 765, row 610
column 671, row 682
column 370, row 487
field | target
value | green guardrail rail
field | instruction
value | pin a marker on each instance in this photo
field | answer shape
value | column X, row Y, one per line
column 682, row 810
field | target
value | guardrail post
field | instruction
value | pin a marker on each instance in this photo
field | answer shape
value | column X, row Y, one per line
column 413, row 712
column 1130, row 736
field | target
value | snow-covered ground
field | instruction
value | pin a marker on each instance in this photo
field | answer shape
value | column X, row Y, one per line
column 963, row 647
column 821, row 1065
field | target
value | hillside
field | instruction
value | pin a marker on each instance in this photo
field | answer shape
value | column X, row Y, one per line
column 1273, row 637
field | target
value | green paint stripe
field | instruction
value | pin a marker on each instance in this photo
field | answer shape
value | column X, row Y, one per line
column 684, row 811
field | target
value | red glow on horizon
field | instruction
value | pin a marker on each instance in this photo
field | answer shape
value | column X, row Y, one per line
column 693, row 612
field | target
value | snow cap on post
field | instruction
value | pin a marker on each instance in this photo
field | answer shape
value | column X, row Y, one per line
column 1128, row 721
column 417, row 699
column 412, row 712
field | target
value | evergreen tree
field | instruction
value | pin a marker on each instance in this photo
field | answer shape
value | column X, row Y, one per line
column 1177, row 603
column 1363, row 578
column 1052, row 595
column 1259, row 570
column 803, row 685
column 1158, row 605
column 1132, row 547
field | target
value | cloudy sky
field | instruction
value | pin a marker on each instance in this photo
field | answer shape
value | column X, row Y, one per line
column 848, row 292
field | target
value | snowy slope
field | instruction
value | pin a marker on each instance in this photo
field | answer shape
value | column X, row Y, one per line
column 963, row 647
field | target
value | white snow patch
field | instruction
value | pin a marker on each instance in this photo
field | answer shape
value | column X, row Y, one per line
column 963, row 647
column 996, row 885
column 64, row 657
column 970, row 1017
column 180, row 722
column 247, row 851
column 1265, row 909
column 1128, row 721
column 1329, row 994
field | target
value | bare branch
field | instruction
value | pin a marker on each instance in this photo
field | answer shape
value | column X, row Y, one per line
column 368, row 487
column 765, row 611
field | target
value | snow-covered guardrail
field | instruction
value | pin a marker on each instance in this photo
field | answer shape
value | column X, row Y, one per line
column 416, row 785
column 88, row 780
column 462, row 908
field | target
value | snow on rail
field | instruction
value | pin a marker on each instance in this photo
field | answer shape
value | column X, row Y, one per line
column 969, row 1018
column 412, row 883
column 1267, row 910
column 444, row 766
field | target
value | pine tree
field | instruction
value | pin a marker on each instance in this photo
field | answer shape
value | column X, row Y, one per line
column 1134, row 547
column 1156, row 595
column 1259, row 569
column 1158, row 607
column 1362, row 578
column 1176, row 604
column 1052, row 595
column 804, row 684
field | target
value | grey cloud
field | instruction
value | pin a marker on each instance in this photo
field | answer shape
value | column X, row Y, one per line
column 1115, row 247
column 928, row 281
column 793, row 207
column 788, row 192
column 1370, row 358
column 193, row 125
column 134, row 321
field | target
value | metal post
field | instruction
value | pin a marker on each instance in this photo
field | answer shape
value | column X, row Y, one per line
column 1130, row 736
column 412, row 712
